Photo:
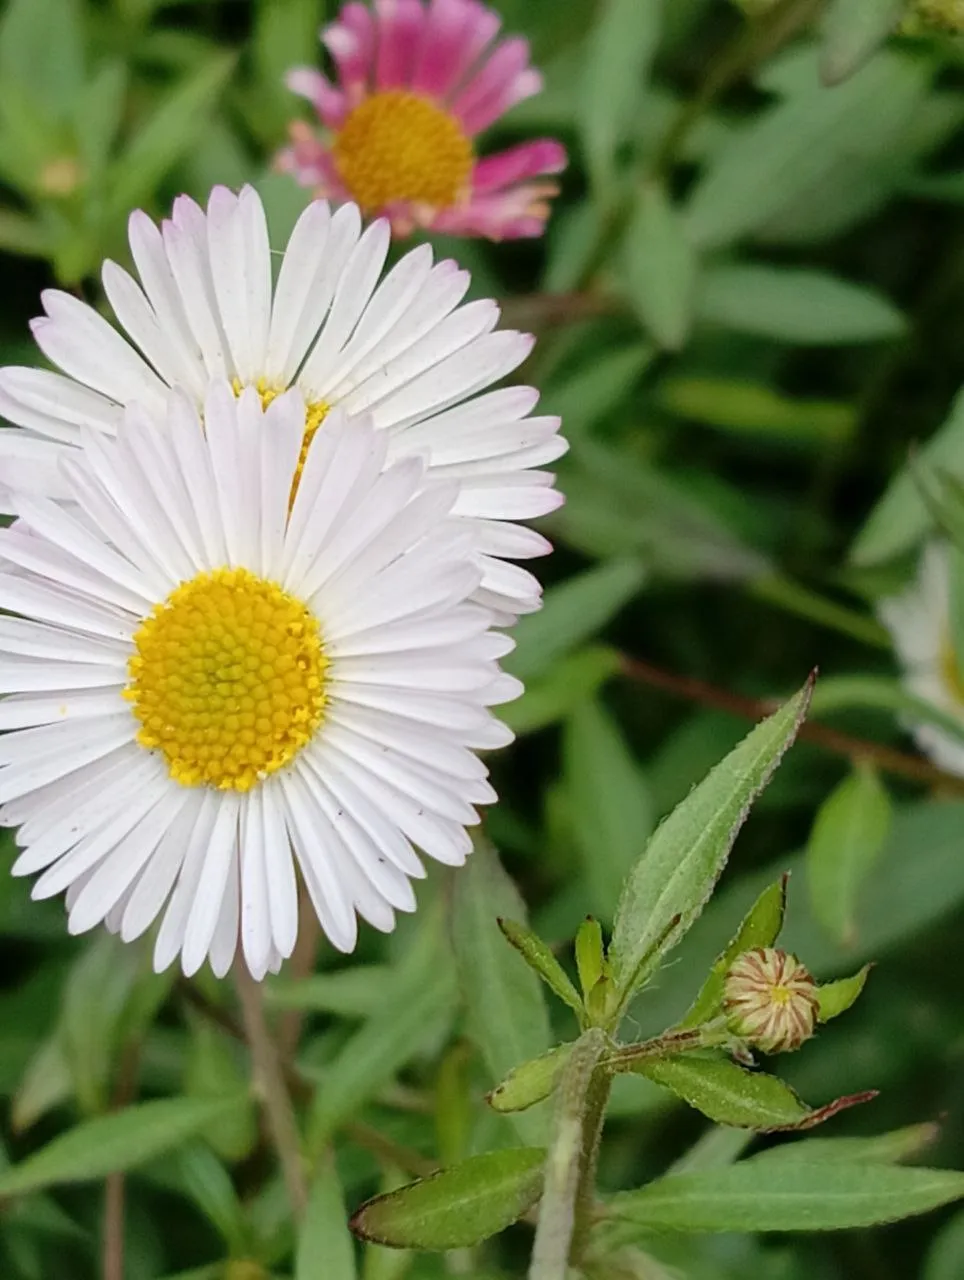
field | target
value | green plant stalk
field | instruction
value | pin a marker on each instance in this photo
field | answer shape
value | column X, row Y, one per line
column 786, row 594
column 567, row 1198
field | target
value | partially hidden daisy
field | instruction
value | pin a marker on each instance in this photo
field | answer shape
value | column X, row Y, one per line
column 919, row 621
column 224, row 669
column 399, row 348
column 415, row 84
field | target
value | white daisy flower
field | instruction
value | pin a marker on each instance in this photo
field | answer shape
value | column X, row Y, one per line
column 218, row 675
column 919, row 621
column 400, row 348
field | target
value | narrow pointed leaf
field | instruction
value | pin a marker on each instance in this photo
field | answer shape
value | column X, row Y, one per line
column 117, row 1142
column 885, row 1148
column 589, row 953
column 506, row 1012
column 814, row 1196
column 729, row 1094
column 325, row 1248
column 849, row 831
column 542, row 962
column 661, row 268
column 458, row 1207
column 760, row 928
column 686, row 854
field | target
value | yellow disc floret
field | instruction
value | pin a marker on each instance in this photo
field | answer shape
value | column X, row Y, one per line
column 399, row 146
column 316, row 411
column 227, row 679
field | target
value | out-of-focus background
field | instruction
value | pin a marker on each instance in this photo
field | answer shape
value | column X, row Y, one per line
column 749, row 306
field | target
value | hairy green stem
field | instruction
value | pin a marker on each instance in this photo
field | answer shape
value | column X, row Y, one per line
column 567, row 1199
column 269, row 1082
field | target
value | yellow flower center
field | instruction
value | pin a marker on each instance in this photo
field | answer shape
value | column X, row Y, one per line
column 399, row 146
column 227, row 679
column 315, row 414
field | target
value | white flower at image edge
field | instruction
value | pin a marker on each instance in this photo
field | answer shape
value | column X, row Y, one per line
column 400, row 348
column 218, row 674
column 919, row 621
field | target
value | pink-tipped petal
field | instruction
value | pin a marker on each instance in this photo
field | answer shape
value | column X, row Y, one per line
column 457, row 34
column 514, row 214
column 518, row 164
column 310, row 163
column 351, row 42
column 401, row 24
column 491, row 91
column 328, row 101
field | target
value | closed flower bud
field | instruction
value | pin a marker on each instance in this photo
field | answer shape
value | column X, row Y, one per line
column 947, row 14
column 770, row 1000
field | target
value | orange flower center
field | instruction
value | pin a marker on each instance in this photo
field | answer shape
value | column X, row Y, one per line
column 399, row 146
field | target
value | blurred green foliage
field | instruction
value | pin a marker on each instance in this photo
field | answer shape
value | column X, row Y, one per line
column 750, row 304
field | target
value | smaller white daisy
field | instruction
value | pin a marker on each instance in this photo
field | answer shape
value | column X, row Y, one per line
column 240, row 658
column 400, row 348
column 919, row 621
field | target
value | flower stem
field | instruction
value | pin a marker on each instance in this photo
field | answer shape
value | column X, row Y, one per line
column 567, row 1199
column 269, row 1082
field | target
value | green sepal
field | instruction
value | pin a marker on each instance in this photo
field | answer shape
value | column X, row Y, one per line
column 835, row 998
column 529, row 1083
column 457, row 1207
column 541, row 960
column 760, row 928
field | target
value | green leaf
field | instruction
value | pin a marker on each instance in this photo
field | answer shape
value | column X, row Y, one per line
column 729, row 1094
column 572, row 612
column 749, row 409
column 167, row 135
column 351, row 993
column 612, row 813
column 620, row 49
column 669, row 886
column 848, row 833
column 197, row 1172
column 590, row 954
column 116, row 1142
column 417, row 1007
column 901, row 518
column 835, row 998
column 616, row 504
column 593, row 390
column 817, row 1196
column 945, row 1258
column 551, row 697
column 23, row 235
column 796, row 146
column 215, row 1067
column 458, row 1207
column 541, row 961
column 531, row 1083
column 42, row 49
column 661, row 268
column 885, row 1148
column 796, row 306
column 325, row 1249
column 852, row 34
column 505, row 1010
column 100, row 111
column 843, row 693
column 760, row 928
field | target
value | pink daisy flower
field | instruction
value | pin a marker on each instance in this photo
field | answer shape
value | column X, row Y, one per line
column 417, row 82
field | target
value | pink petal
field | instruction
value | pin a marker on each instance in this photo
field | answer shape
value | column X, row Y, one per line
column 527, row 160
column 351, row 42
column 310, row 163
column 328, row 101
column 457, row 33
column 400, row 27
column 503, row 80
column 518, row 213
